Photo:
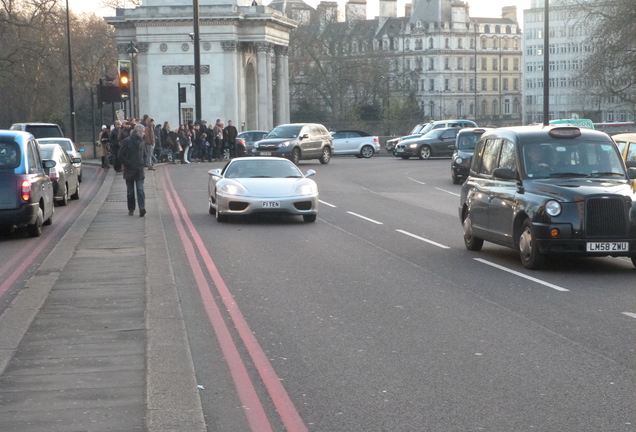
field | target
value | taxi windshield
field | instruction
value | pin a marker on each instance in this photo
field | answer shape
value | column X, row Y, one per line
column 467, row 141
column 563, row 159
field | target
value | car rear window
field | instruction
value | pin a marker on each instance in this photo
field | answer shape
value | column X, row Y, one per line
column 65, row 144
column 46, row 153
column 44, row 131
column 9, row 155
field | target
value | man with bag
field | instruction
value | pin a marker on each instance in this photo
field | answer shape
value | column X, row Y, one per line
column 131, row 155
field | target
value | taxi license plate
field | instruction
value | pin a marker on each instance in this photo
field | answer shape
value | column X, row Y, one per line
column 607, row 247
column 265, row 153
column 400, row 150
column 271, row 204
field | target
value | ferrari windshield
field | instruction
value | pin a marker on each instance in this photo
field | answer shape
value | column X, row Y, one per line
column 272, row 168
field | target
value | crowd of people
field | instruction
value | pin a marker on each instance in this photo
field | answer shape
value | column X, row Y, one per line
column 190, row 142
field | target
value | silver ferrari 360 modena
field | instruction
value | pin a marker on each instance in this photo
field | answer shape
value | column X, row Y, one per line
column 262, row 185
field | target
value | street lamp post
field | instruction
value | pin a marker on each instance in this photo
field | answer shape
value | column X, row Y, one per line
column 132, row 52
column 197, row 62
column 388, row 78
column 70, row 72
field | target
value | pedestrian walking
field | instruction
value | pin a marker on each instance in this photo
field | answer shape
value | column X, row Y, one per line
column 230, row 134
column 217, row 132
column 149, row 141
column 104, row 143
column 115, row 145
column 131, row 154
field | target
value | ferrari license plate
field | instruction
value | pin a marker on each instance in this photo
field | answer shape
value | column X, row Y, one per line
column 265, row 153
column 271, row 204
column 607, row 246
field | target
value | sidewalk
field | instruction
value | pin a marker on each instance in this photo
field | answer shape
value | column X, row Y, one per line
column 95, row 341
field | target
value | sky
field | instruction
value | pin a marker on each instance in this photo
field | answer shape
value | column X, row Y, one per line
column 478, row 8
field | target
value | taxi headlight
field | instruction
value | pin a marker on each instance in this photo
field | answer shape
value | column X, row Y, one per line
column 459, row 160
column 232, row 189
column 553, row 208
column 306, row 189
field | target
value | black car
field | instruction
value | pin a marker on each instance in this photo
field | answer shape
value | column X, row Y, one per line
column 549, row 191
column 63, row 174
column 464, row 149
column 26, row 192
column 433, row 143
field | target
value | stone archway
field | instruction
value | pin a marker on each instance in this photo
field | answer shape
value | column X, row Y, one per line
column 251, row 97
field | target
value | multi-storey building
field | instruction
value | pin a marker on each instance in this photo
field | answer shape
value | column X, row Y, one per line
column 455, row 65
column 572, row 93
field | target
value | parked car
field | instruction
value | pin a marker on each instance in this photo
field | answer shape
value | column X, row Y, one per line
column 549, row 191
column 240, row 149
column 26, row 191
column 424, row 128
column 434, row 143
column 627, row 146
column 70, row 149
column 262, row 185
column 40, row 130
column 296, row 142
column 355, row 142
column 464, row 149
column 250, row 137
column 63, row 174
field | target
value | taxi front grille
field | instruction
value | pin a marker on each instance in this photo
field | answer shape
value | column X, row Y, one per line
column 606, row 217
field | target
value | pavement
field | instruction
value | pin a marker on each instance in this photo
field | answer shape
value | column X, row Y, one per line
column 95, row 340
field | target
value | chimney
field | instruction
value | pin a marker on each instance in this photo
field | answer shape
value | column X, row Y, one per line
column 509, row 12
column 356, row 10
column 327, row 12
column 388, row 8
column 408, row 8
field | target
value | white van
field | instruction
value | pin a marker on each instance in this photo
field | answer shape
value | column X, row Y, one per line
column 423, row 128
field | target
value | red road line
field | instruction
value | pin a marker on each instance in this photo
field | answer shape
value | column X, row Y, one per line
column 285, row 407
column 252, row 406
column 36, row 247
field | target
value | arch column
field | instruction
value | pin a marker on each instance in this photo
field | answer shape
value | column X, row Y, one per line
column 282, row 85
column 264, row 84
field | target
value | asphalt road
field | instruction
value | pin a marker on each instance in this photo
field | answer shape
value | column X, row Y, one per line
column 376, row 318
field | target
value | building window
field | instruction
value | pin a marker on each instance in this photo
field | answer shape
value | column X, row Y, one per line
column 447, row 84
column 515, row 64
column 471, row 84
column 471, row 109
column 495, row 43
column 187, row 114
column 483, row 43
column 484, row 64
column 504, row 83
column 495, row 84
column 610, row 116
column 505, row 64
column 484, row 108
column 460, row 63
column 431, row 64
column 516, row 108
column 447, row 43
column 495, row 65
column 484, row 84
column 431, row 84
column 472, row 43
column 495, row 107
column 430, row 43
column 460, row 43
column 471, row 63
column 446, row 63
column 506, row 107
column 418, row 44
column 460, row 109
column 515, row 84
column 431, row 108
column 460, row 84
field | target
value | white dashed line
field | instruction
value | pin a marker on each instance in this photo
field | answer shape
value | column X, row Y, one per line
column 629, row 314
column 326, row 203
column 539, row 281
column 444, row 190
column 423, row 239
column 416, row 181
column 365, row 218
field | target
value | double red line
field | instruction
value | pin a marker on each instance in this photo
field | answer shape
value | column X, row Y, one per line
column 254, row 410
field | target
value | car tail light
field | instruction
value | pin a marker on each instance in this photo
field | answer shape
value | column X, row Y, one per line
column 376, row 139
column 26, row 191
column 53, row 174
column 240, row 140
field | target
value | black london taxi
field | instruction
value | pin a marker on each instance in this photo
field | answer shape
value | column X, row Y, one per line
column 26, row 191
column 464, row 149
column 549, row 190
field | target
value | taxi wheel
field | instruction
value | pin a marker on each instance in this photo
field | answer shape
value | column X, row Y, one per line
column 35, row 230
column 456, row 180
column 424, row 152
column 531, row 257
column 633, row 257
column 49, row 221
column 76, row 195
column 472, row 243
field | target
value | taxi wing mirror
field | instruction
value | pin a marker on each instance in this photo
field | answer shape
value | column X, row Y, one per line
column 452, row 147
column 631, row 173
column 505, row 173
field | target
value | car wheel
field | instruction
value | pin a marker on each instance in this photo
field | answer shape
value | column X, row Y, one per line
column 211, row 209
column 472, row 243
column 49, row 221
column 367, row 151
column 76, row 195
column 424, row 152
column 226, row 154
column 633, row 257
column 309, row 218
column 79, row 178
column 35, row 230
column 64, row 200
column 295, row 156
column 531, row 257
column 456, row 180
column 326, row 156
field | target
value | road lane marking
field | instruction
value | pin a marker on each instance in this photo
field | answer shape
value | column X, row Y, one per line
column 444, row 190
column 423, row 239
column 629, row 314
column 326, row 203
column 365, row 218
column 539, row 281
column 416, row 181
column 278, row 395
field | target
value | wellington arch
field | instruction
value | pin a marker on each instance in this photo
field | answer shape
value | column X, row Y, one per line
column 243, row 53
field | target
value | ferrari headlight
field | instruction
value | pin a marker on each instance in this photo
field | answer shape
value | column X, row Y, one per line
column 306, row 189
column 553, row 208
column 232, row 189
column 284, row 144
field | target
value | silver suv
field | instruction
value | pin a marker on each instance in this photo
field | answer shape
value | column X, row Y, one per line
column 296, row 142
column 40, row 130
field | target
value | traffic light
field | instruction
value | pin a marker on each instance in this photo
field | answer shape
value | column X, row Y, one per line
column 124, row 79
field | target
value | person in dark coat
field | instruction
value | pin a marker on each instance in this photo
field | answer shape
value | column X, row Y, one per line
column 131, row 155
column 230, row 133
column 115, row 145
